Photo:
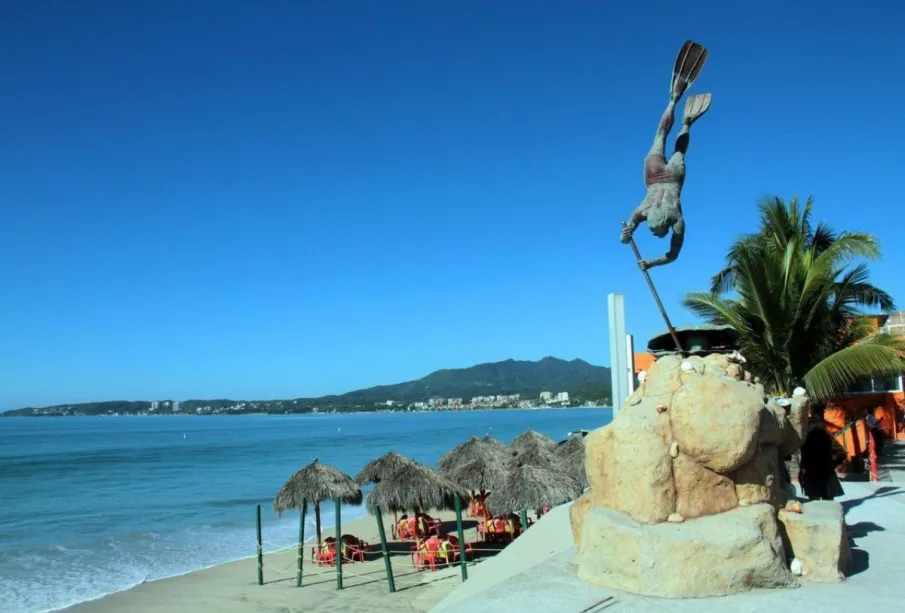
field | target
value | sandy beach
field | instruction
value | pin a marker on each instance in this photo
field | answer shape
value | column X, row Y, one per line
column 233, row 588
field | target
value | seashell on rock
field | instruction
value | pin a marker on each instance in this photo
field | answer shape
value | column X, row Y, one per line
column 798, row 392
column 662, row 408
column 687, row 366
column 675, row 518
column 797, row 568
column 674, row 450
column 642, row 375
column 793, row 506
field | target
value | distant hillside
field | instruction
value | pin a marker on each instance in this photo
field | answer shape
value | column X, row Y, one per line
column 507, row 377
column 582, row 380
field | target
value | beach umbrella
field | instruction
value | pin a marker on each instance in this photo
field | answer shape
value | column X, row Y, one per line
column 529, row 439
column 486, row 450
column 375, row 470
column 470, row 450
column 538, row 455
column 481, row 474
column 495, row 443
column 314, row 484
column 574, row 444
column 571, row 454
column 416, row 487
column 532, row 487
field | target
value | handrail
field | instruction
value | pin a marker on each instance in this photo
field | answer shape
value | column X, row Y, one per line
column 846, row 428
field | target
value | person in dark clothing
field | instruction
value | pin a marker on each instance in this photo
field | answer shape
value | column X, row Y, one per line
column 819, row 458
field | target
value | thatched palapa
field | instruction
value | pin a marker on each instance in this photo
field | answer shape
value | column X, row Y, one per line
column 415, row 486
column 532, row 487
column 571, row 456
column 315, row 483
column 495, row 443
column 529, row 439
column 539, row 456
column 385, row 465
column 473, row 449
column 483, row 474
column 574, row 444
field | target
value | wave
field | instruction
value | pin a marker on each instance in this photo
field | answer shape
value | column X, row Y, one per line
column 56, row 577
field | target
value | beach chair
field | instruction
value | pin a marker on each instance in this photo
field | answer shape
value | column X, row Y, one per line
column 326, row 554
column 452, row 549
column 428, row 524
column 427, row 555
column 354, row 548
column 404, row 529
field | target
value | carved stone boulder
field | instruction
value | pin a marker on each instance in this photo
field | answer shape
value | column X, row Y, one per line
column 718, row 555
column 818, row 540
column 697, row 441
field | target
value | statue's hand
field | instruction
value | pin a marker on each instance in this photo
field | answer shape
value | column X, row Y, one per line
column 626, row 235
column 643, row 265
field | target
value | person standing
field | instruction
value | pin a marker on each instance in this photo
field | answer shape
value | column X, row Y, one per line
column 819, row 458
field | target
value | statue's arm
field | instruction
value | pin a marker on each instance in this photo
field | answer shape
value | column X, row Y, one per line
column 675, row 246
column 628, row 228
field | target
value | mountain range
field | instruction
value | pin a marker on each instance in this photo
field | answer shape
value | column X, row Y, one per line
column 580, row 379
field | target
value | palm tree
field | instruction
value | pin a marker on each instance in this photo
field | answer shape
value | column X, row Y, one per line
column 797, row 295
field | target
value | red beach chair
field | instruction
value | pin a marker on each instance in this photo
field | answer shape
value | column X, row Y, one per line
column 428, row 554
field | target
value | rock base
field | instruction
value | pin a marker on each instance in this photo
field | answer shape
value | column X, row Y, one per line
column 818, row 540
column 717, row 555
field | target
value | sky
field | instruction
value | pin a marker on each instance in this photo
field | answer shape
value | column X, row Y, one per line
column 279, row 199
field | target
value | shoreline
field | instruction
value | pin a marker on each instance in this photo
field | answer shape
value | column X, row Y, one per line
column 231, row 587
column 327, row 530
column 3, row 415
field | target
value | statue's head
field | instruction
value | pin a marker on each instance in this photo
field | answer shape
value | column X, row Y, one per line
column 658, row 222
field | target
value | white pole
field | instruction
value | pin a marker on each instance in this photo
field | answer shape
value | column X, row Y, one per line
column 630, row 371
column 618, row 357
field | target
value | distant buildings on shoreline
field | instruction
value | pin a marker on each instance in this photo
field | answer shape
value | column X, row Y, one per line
column 174, row 407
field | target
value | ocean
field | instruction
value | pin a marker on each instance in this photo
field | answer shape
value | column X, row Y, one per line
column 95, row 505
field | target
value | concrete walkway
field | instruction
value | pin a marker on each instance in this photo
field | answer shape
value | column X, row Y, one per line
column 535, row 574
column 892, row 462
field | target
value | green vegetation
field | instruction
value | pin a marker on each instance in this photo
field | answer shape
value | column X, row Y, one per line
column 798, row 296
column 583, row 381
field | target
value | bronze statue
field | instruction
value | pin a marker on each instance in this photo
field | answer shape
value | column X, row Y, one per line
column 662, row 207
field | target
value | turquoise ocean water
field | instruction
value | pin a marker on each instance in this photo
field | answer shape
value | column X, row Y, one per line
column 91, row 506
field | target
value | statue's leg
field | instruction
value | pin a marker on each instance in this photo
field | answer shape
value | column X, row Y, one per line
column 695, row 107
column 658, row 148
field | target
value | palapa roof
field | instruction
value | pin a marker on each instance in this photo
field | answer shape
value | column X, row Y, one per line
column 574, row 444
column 483, row 474
column 574, row 466
column 571, row 455
column 532, row 487
column 529, row 439
column 495, row 443
column 314, row 483
column 415, row 485
column 470, row 450
column 375, row 470
column 538, row 455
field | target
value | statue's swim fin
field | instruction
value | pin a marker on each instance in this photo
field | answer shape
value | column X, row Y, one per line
column 689, row 63
column 695, row 106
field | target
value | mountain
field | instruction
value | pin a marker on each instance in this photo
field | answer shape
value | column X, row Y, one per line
column 582, row 380
column 507, row 377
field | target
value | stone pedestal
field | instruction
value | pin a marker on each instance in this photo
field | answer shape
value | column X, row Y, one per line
column 716, row 555
column 817, row 539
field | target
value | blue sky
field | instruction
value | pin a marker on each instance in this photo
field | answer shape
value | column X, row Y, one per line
column 282, row 199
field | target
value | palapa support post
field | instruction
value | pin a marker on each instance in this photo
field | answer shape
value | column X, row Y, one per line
column 653, row 290
column 461, row 533
column 260, row 547
column 338, row 557
column 298, row 580
column 384, row 550
column 524, row 517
